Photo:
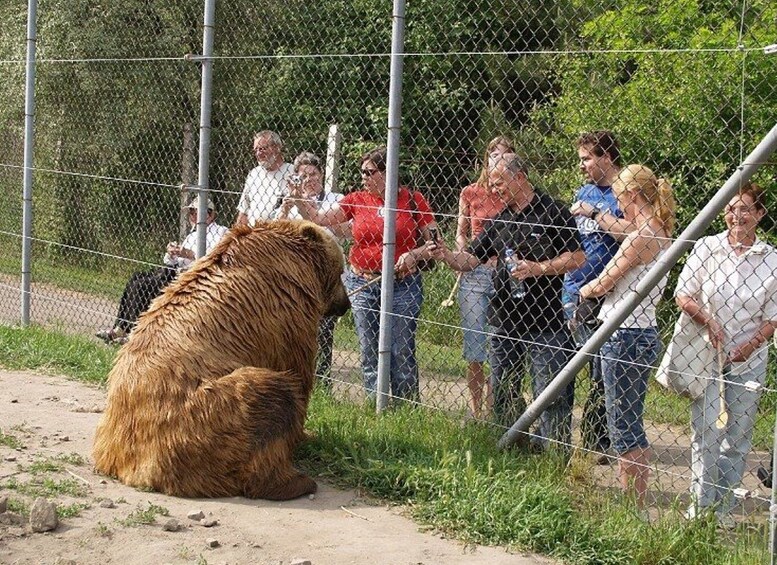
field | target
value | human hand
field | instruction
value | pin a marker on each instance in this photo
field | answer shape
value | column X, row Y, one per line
column 582, row 209
column 741, row 353
column 406, row 264
column 522, row 270
column 716, row 333
column 586, row 291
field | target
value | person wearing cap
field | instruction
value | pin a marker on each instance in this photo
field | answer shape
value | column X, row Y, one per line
column 144, row 286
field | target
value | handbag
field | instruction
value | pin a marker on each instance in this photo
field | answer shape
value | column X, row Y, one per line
column 686, row 363
column 421, row 264
column 587, row 311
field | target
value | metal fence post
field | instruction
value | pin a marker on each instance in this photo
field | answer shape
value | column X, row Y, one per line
column 390, row 202
column 332, row 174
column 29, row 148
column 773, row 500
column 205, row 112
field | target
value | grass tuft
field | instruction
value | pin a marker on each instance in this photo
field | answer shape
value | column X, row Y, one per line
column 144, row 516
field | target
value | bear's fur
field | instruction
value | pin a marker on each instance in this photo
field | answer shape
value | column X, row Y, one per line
column 209, row 396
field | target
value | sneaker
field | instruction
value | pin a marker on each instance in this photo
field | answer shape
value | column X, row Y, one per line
column 765, row 476
column 111, row 335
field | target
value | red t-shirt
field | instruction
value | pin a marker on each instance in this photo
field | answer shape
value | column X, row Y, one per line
column 366, row 211
column 482, row 205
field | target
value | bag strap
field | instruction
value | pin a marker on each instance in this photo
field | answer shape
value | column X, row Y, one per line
column 413, row 205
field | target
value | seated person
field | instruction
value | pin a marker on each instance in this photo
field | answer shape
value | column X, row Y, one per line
column 144, row 286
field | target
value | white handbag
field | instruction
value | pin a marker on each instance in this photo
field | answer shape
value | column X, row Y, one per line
column 685, row 366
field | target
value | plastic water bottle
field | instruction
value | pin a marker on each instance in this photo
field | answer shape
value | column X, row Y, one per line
column 517, row 288
column 569, row 316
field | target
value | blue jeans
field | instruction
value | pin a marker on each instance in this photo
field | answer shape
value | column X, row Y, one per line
column 718, row 456
column 627, row 359
column 546, row 353
column 475, row 292
column 408, row 297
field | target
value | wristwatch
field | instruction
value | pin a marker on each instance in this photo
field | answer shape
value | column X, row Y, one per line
column 595, row 213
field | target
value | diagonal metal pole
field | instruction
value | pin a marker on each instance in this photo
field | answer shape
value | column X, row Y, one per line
column 518, row 431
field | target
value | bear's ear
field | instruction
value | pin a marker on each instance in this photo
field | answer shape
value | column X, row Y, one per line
column 311, row 231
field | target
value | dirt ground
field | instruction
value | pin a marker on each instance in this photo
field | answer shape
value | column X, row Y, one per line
column 54, row 418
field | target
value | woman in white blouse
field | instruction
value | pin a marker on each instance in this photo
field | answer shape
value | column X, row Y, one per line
column 729, row 286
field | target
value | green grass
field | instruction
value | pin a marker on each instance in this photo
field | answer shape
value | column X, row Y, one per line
column 144, row 516
column 36, row 348
column 107, row 282
column 18, row 506
column 47, row 487
column 9, row 440
column 454, row 480
column 71, row 510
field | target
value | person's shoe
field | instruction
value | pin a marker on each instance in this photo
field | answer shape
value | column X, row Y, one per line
column 112, row 335
column 765, row 476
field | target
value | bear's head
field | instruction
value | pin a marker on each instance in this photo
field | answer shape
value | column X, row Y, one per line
column 334, row 296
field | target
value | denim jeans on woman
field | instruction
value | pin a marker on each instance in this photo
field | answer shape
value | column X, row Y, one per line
column 718, row 456
column 627, row 359
column 475, row 293
column 408, row 297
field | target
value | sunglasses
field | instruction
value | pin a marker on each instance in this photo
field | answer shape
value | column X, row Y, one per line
column 194, row 211
column 369, row 172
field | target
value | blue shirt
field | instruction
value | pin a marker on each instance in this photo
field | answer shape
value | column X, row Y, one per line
column 598, row 245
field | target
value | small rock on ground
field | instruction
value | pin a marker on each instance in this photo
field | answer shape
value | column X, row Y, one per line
column 212, row 542
column 171, row 525
column 196, row 515
column 209, row 522
column 301, row 562
column 43, row 516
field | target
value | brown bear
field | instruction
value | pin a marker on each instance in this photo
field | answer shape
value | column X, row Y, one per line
column 209, row 396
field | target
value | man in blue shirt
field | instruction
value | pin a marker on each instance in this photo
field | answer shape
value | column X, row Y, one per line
column 600, row 164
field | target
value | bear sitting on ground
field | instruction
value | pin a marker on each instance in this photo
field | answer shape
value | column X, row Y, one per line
column 209, row 396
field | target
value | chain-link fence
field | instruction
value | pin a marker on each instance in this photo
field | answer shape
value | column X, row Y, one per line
column 494, row 99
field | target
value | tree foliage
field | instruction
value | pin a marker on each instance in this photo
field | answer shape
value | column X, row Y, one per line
column 117, row 100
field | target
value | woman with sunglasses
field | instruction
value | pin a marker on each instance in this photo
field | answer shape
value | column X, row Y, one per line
column 308, row 178
column 365, row 209
column 144, row 286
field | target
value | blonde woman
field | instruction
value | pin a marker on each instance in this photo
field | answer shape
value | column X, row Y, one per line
column 477, row 205
column 648, row 203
